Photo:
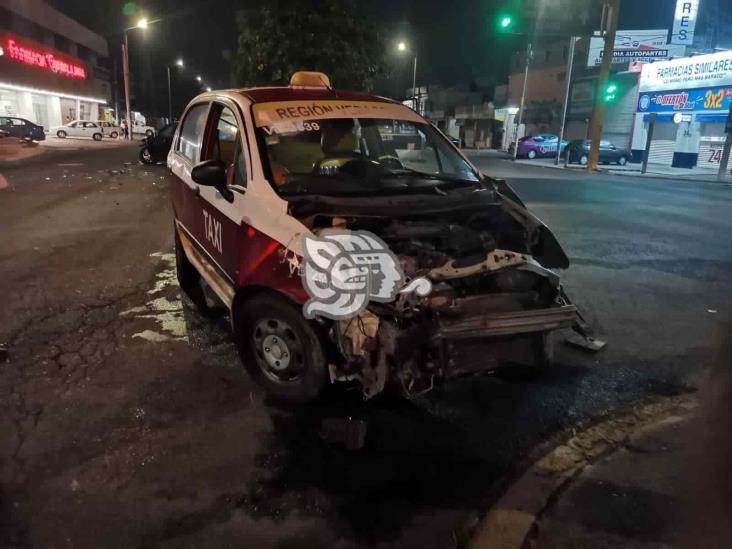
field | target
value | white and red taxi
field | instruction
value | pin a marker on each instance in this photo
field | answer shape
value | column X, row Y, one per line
column 256, row 170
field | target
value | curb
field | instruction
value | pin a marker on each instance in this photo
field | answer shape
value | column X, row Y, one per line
column 626, row 173
column 512, row 518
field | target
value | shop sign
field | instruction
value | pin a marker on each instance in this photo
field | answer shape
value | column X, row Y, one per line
column 701, row 71
column 634, row 46
column 711, row 99
column 41, row 58
column 685, row 22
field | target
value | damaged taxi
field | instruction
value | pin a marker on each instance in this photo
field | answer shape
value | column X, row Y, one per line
column 351, row 241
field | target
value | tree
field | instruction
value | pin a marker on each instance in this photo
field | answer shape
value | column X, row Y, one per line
column 323, row 35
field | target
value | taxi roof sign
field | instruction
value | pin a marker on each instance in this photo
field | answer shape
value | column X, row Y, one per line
column 310, row 79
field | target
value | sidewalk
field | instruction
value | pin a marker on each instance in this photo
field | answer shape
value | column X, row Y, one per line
column 653, row 171
column 636, row 497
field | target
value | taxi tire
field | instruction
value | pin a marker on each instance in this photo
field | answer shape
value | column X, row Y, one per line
column 97, row 137
column 189, row 279
column 531, row 155
column 61, row 134
column 311, row 384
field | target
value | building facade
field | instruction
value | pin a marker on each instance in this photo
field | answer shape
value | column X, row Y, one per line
column 52, row 69
column 690, row 98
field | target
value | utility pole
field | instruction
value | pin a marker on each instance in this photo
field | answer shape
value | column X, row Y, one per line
column 570, row 66
column 523, row 98
column 724, row 161
column 414, row 85
column 610, row 25
column 126, row 76
column 170, row 99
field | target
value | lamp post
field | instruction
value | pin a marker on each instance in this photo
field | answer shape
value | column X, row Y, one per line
column 141, row 24
column 402, row 47
column 179, row 63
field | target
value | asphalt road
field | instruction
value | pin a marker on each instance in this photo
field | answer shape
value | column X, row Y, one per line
column 126, row 419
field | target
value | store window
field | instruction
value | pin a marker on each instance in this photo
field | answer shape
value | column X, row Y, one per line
column 9, row 103
column 40, row 110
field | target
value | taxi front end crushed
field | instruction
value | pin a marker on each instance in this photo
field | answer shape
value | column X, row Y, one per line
column 493, row 298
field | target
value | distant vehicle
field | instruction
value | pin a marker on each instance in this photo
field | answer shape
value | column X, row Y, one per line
column 579, row 152
column 4, row 133
column 142, row 129
column 21, row 128
column 109, row 129
column 79, row 128
column 541, row 145
column 155, row 148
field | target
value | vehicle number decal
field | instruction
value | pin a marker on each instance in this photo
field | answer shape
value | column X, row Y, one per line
column 292, row 127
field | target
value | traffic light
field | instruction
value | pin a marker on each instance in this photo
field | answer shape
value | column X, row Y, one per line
column 611, row 92
column 505, row 21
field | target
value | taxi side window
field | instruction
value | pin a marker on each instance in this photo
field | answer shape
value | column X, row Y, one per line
column 191, row 134
column 225, row 145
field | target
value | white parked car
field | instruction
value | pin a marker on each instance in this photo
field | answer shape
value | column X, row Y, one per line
column 79, row 128
column 142, row 129
column 109, row 129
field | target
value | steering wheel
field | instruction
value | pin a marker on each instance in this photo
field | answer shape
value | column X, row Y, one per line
column 391, row 162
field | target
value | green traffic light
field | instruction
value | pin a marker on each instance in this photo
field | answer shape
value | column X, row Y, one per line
column 506, row 22
column 611, row 92
column 612, row 88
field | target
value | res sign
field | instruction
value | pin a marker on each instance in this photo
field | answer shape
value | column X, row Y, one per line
column 685, row 22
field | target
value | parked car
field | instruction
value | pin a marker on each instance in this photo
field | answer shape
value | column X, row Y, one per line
column 537, row 146
column 79, row 128
column 155, row 148
column 109, row 129
column 579, row 152
column 142, row 129
column 254, row 209
column 21, row 128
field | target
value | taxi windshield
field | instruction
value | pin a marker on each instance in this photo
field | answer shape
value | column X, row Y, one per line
column 358, row 155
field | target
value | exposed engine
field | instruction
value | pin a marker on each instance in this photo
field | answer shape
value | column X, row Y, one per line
column 487, row 289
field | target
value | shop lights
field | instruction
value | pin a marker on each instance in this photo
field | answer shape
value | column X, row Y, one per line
column 13, row 87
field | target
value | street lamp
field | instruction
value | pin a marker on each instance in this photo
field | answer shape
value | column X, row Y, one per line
column 142, row 24
column 402, row 47
column 179, row 63
column 198, row 78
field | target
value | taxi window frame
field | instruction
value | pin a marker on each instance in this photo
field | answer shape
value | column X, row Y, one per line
column 179, row 132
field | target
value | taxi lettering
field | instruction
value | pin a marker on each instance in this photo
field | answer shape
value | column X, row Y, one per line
column 212, row 229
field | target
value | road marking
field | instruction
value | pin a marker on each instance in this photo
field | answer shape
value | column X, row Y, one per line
column 72, row 164
column 3, row 182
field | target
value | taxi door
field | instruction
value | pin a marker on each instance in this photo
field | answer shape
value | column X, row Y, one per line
column 210, row 224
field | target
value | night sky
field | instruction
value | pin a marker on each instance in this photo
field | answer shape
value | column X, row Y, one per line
column 455, row 39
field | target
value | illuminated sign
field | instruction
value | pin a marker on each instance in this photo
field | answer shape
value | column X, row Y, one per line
column 685, row 22
column 710, row 99
column 42, row 59
column 700, row 71
column 633, row 46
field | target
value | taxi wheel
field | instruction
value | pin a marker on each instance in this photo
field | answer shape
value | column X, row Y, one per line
column 281, row 350
column 97, row 137
column 189, row 279
column 61, row 134
column 531, row 155
column 114, row 135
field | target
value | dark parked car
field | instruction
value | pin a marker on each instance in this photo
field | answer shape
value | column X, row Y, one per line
column 22, row 128
column 579, row 151
column 155, row 147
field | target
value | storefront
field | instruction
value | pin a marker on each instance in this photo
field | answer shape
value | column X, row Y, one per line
column 690, row 97
column 43, row 85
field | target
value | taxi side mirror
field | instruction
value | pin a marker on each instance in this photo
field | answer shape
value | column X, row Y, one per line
column 212, row 173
